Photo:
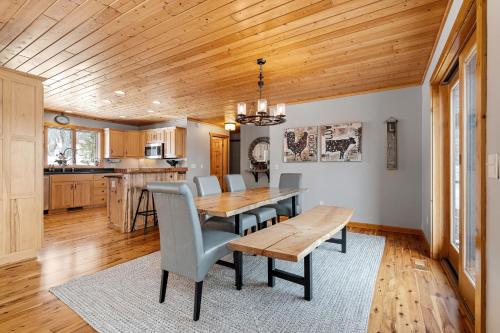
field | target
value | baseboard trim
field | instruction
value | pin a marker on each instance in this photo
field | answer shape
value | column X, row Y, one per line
column 17, row 257
column 387, row 228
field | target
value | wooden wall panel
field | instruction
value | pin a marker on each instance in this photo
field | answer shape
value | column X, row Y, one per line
column 23, row 115
column 26, row 225
column 23, row 173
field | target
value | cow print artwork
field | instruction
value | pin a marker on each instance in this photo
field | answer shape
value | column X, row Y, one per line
column 341, row 142
column 300, row 144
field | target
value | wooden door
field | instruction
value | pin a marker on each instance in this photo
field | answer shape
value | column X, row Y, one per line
column 82, row 193
column 134, row 145
column 219, row 157
column 116, row 143
column 61, row 195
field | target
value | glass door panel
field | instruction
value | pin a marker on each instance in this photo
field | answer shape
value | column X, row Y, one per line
column 470, row 152
column 455, row 166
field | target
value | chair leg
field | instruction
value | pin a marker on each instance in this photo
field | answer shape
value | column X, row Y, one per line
column 137, row 211
column 155, row 216
column 146, row 215
column 274, row 220
column 254, row 229
column 197, row 300
column 278, row 218
column 163, row 285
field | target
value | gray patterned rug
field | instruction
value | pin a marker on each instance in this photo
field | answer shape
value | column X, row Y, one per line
column 124, row 298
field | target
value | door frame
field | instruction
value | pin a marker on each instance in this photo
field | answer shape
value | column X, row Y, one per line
column 225, row 163
column 471, row 20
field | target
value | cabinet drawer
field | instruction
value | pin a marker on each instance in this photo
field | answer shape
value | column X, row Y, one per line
column 100, row 177
column 100, row 191
column 100, row 183
column 99, row 199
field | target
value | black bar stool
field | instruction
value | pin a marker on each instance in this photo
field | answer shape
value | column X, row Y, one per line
column 146, row 213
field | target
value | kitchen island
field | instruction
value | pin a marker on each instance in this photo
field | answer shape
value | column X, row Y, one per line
column 124, row 191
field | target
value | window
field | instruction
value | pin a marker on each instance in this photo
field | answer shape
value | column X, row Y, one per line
column 58, row 140
column 80, row 146
column 86, row 147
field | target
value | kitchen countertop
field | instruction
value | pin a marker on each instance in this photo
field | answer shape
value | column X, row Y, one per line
column 151, row 170
column 80, row 170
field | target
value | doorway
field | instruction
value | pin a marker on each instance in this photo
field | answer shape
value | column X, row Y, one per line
column 219, row 157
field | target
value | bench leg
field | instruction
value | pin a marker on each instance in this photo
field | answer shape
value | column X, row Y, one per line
column 342, row 241
column 308, row 292
column 238, row 268
column 270, row 268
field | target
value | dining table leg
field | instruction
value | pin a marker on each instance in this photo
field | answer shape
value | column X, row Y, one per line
column 237, row 225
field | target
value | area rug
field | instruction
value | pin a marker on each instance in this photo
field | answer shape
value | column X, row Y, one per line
column 124, row 298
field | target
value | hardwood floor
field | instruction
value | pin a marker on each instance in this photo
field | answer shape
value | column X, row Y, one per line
column 412, row 293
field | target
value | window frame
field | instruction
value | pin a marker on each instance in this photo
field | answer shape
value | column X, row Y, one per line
column 74, row 129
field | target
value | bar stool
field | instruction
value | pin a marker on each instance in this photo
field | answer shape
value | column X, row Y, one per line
column 146, row 213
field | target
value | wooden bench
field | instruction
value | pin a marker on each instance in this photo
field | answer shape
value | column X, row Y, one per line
column 295, row 239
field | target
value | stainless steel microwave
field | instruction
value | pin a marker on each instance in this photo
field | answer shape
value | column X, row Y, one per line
column 154, row 150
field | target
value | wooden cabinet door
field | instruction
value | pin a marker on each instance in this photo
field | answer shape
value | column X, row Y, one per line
column 180, row 142
column 116, row 143
column 61, row 195
column 134, row 145
column 82, row 194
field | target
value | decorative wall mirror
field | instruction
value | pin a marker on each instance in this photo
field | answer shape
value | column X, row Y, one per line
column 258, row 154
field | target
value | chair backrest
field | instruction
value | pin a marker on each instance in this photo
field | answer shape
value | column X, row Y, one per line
column 181, row 241
column 235, row 183
column 290, row 180
column 207, row 185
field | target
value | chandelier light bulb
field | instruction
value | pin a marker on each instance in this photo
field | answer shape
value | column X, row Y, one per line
column 262, row 105
column 242, row 108
column 280, row 109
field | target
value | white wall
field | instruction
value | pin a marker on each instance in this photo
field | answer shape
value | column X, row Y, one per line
column 247, row 135
column 198, row 149
column 378, row 196
column 493, row 185
column 426, row 122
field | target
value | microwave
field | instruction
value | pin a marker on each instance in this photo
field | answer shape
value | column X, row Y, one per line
column 154, row 150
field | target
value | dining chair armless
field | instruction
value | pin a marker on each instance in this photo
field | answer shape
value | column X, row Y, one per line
column 284, row 207
column 209, row 185
column 236, row 183
column 185, row 248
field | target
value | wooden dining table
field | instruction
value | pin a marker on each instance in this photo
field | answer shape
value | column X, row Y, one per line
column 229, row 204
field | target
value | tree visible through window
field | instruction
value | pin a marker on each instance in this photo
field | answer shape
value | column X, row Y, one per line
column 58, row 140
column 84, row 149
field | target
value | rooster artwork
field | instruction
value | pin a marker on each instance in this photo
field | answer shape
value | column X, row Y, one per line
column 341, row 142
column 300, row 144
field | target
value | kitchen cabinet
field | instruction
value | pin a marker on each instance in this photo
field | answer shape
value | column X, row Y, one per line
column 71, row 190
column 21, row 165
column 154, row 135
column 114, row 145
column 100, row 183
column 175, row 142
column 134, row 144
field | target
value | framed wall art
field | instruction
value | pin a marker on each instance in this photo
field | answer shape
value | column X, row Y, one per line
column 300, row 144
column 340, row 142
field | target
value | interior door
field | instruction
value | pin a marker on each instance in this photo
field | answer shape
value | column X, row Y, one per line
column 219, row 155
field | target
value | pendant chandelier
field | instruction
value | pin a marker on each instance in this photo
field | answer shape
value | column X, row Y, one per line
column 263, row 116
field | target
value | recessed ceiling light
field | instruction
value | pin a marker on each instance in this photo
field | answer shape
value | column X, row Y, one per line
column 119, row 92
column 106, row 101
column 156, row 102
column 68, row 111
column 122, row 116
column 150, row 111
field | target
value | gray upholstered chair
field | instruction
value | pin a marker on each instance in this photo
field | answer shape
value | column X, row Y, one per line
column 235, row 183
column 209, row 185
column 185, row 248
column 284, row 207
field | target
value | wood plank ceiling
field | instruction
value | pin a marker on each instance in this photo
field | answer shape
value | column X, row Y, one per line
column 197, row 58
